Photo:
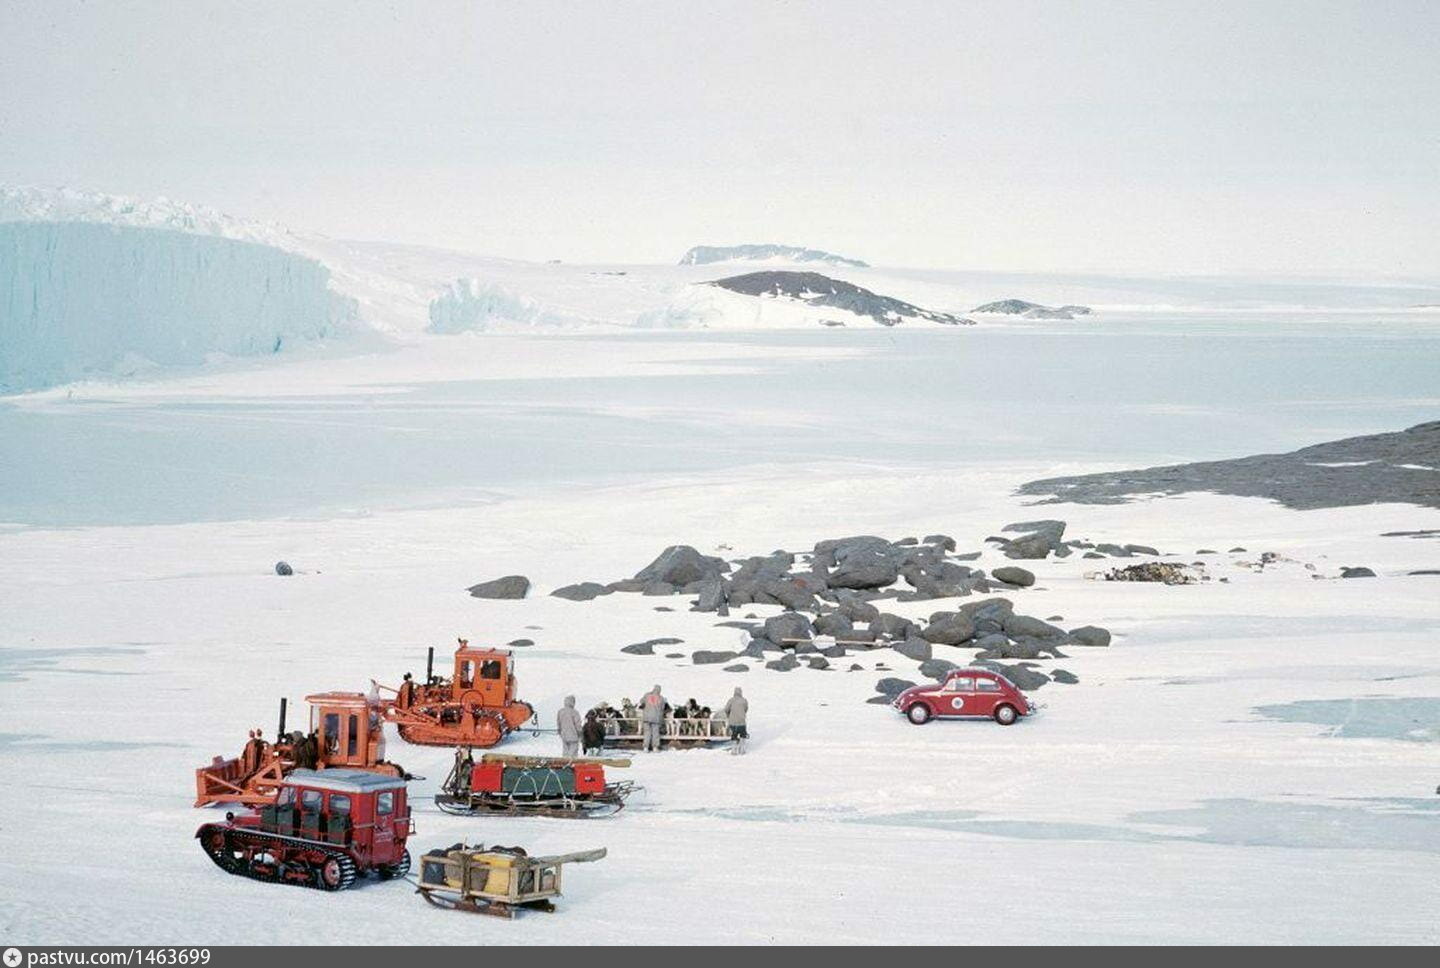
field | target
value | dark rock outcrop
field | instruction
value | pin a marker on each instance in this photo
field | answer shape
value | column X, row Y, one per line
column 511, row 586
column 816, row 290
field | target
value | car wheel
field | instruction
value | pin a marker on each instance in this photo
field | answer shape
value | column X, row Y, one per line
column 918, row 713
column 1005, row 714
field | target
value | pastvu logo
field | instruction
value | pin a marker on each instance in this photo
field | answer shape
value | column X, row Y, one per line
column 12, row 957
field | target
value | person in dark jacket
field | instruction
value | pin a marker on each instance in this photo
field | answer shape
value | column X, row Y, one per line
column 592, row 734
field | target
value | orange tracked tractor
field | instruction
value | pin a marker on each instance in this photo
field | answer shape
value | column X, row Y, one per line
column 475, row 707
column 346, row 730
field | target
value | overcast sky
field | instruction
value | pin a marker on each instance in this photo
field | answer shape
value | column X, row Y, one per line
column 1173, row 137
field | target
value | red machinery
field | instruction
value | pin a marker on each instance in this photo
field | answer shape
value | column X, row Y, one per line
column 325, row 829
column 552, row 786
column 346, row 730
column 474, row 707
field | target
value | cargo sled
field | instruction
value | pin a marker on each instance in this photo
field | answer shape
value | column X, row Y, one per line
column 534, row 785
column 498, row 880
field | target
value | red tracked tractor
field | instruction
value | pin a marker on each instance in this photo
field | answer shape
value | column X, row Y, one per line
column 346, row 730
column 475, row 707
column 325, row 829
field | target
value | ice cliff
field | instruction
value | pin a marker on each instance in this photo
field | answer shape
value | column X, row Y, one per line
column 83, row 299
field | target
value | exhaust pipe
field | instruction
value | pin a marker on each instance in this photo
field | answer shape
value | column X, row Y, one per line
column 280, row 733
column 430, row 665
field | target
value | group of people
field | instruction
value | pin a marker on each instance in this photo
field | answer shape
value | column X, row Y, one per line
column 653, row 711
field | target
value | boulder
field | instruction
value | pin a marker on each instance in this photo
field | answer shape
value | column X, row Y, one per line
column 837, row 624
column 855, row 608
column 1012, row 575
column 937, row 668
column 917, row 649
column 1024, row 625
column 648, row 647
column 783, row 664
column 790, row 592
column 834, row 651
column 942, row 540
column 703, row 657
column 865, row 568
column 818, row 662
column 1049, row 527
column 283, row 568
column 583, row 592
column 738, row 667
column 680, row 565
column 711, row 597
column 626, row 585
column 1023, row 676
column 521, row 643
column 1113, row 550
column 1092, row 635
column 511, row 586
column 1064, row 676
column 892, row 626
column 1030, row 547
column 787, row 625
column 891, row 686
column 658, row 588
column 833, row 550
column 1139, row 549
column 1356, row 572
column 950, row 629
column 994, row 642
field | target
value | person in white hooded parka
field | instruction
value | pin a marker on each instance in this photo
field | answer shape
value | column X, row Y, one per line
column 567, row 721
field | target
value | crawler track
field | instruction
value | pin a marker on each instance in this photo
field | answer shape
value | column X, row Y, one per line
column 263, row 857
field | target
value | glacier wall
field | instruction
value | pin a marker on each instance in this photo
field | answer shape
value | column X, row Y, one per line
column 472, row 305
column 84, row 300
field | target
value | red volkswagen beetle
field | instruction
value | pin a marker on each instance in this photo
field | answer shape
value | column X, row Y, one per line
column 965, row 694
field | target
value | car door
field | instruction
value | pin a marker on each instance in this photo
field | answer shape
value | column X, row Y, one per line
column 957, row 697
column 986, row 697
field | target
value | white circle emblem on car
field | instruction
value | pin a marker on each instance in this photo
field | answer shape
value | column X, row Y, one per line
column 957, row 702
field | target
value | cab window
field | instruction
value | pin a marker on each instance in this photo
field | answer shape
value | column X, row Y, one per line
column 332, row 732
column 339, row 803
column 490, row 669
column 986, row 685
column 287, row 797
column 467, row 674
column 961, row 685
column 385, row 803
column 309, row 799
column 352, row 745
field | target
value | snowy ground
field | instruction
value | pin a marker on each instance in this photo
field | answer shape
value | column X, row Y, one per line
column 1148, row 803
column 1251, row 760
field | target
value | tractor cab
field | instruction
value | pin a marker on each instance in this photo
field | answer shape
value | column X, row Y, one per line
column 349, row 729
column 482, row 677
column 355, row 808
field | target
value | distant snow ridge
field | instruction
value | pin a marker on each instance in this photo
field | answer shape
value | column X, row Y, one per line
column 471, row 305
column 80, row 300
column 764, row 252
column 814, row 290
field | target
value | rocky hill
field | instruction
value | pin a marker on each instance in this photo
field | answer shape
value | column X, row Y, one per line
column 815, row 290
column 1030, row 310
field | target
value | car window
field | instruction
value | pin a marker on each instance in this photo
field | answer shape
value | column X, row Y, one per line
column 385, row 803
column 962, row 685
column 987, row 685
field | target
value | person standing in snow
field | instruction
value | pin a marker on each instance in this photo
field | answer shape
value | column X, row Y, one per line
column 735, row 712
column 568, row 722
column 652, row 714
